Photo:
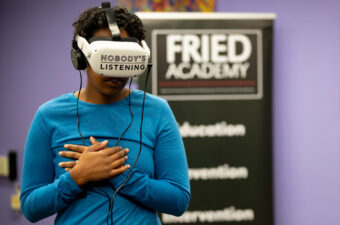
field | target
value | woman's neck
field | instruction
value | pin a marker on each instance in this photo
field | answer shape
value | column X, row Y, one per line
column 94, row 97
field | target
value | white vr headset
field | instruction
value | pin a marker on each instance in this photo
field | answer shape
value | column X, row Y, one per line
column 111, row 56
column 124, row 58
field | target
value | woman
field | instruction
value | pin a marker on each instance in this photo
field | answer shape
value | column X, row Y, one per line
column 75, row 174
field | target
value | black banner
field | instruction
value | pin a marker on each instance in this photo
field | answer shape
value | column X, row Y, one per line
column 215, row 71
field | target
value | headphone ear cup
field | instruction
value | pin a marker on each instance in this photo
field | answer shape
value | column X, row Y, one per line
column 78, row 59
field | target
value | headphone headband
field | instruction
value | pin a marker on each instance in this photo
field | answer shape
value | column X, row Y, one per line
column 111, row 21
column 102, row 38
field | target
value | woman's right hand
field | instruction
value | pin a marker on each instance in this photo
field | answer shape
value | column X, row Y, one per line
column 97, row 162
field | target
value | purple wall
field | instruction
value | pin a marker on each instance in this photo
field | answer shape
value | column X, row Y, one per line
column 35, row 66
column 306, row 108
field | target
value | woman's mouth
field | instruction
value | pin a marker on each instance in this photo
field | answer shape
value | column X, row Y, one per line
column 114, row 82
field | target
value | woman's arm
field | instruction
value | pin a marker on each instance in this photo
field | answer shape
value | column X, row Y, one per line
column 41, row 195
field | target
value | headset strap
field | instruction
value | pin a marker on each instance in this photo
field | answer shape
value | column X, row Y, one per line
column 110, row 17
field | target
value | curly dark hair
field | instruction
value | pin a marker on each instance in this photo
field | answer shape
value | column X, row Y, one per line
column 94, row 18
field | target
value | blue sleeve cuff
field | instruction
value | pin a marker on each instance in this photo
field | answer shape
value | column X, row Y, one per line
column 68, row 186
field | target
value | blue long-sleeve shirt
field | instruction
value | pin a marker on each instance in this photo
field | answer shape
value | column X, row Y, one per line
column 158, row 183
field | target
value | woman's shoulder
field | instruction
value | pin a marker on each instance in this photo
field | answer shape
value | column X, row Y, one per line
column 151, row 99
column 61, row 102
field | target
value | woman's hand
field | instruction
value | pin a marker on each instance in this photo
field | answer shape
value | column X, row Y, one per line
column 74, row 153
column 94, row 163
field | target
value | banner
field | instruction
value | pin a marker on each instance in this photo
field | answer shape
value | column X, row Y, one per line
column 215, row 70
column 207, row 64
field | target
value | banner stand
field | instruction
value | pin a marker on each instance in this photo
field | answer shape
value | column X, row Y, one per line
column 215, row 70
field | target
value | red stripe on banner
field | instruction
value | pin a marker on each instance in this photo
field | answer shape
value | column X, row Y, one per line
column 206, row 83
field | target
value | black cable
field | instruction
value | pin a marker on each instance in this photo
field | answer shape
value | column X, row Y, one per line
column 118, row 140
column 81, row 84
column 111, row 201
column 140, row 146
column 108, row 198
column 109, row 213
column 82, row 138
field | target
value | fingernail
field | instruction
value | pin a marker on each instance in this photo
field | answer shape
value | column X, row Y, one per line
column 104, row 142
column 126, row 157
column 127, row 150
column 128, row 166
column 65, row 146
column 60, row 153
column 91, row 138
column 60, row 164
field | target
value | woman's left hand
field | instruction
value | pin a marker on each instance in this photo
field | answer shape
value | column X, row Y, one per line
column 74, row 153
